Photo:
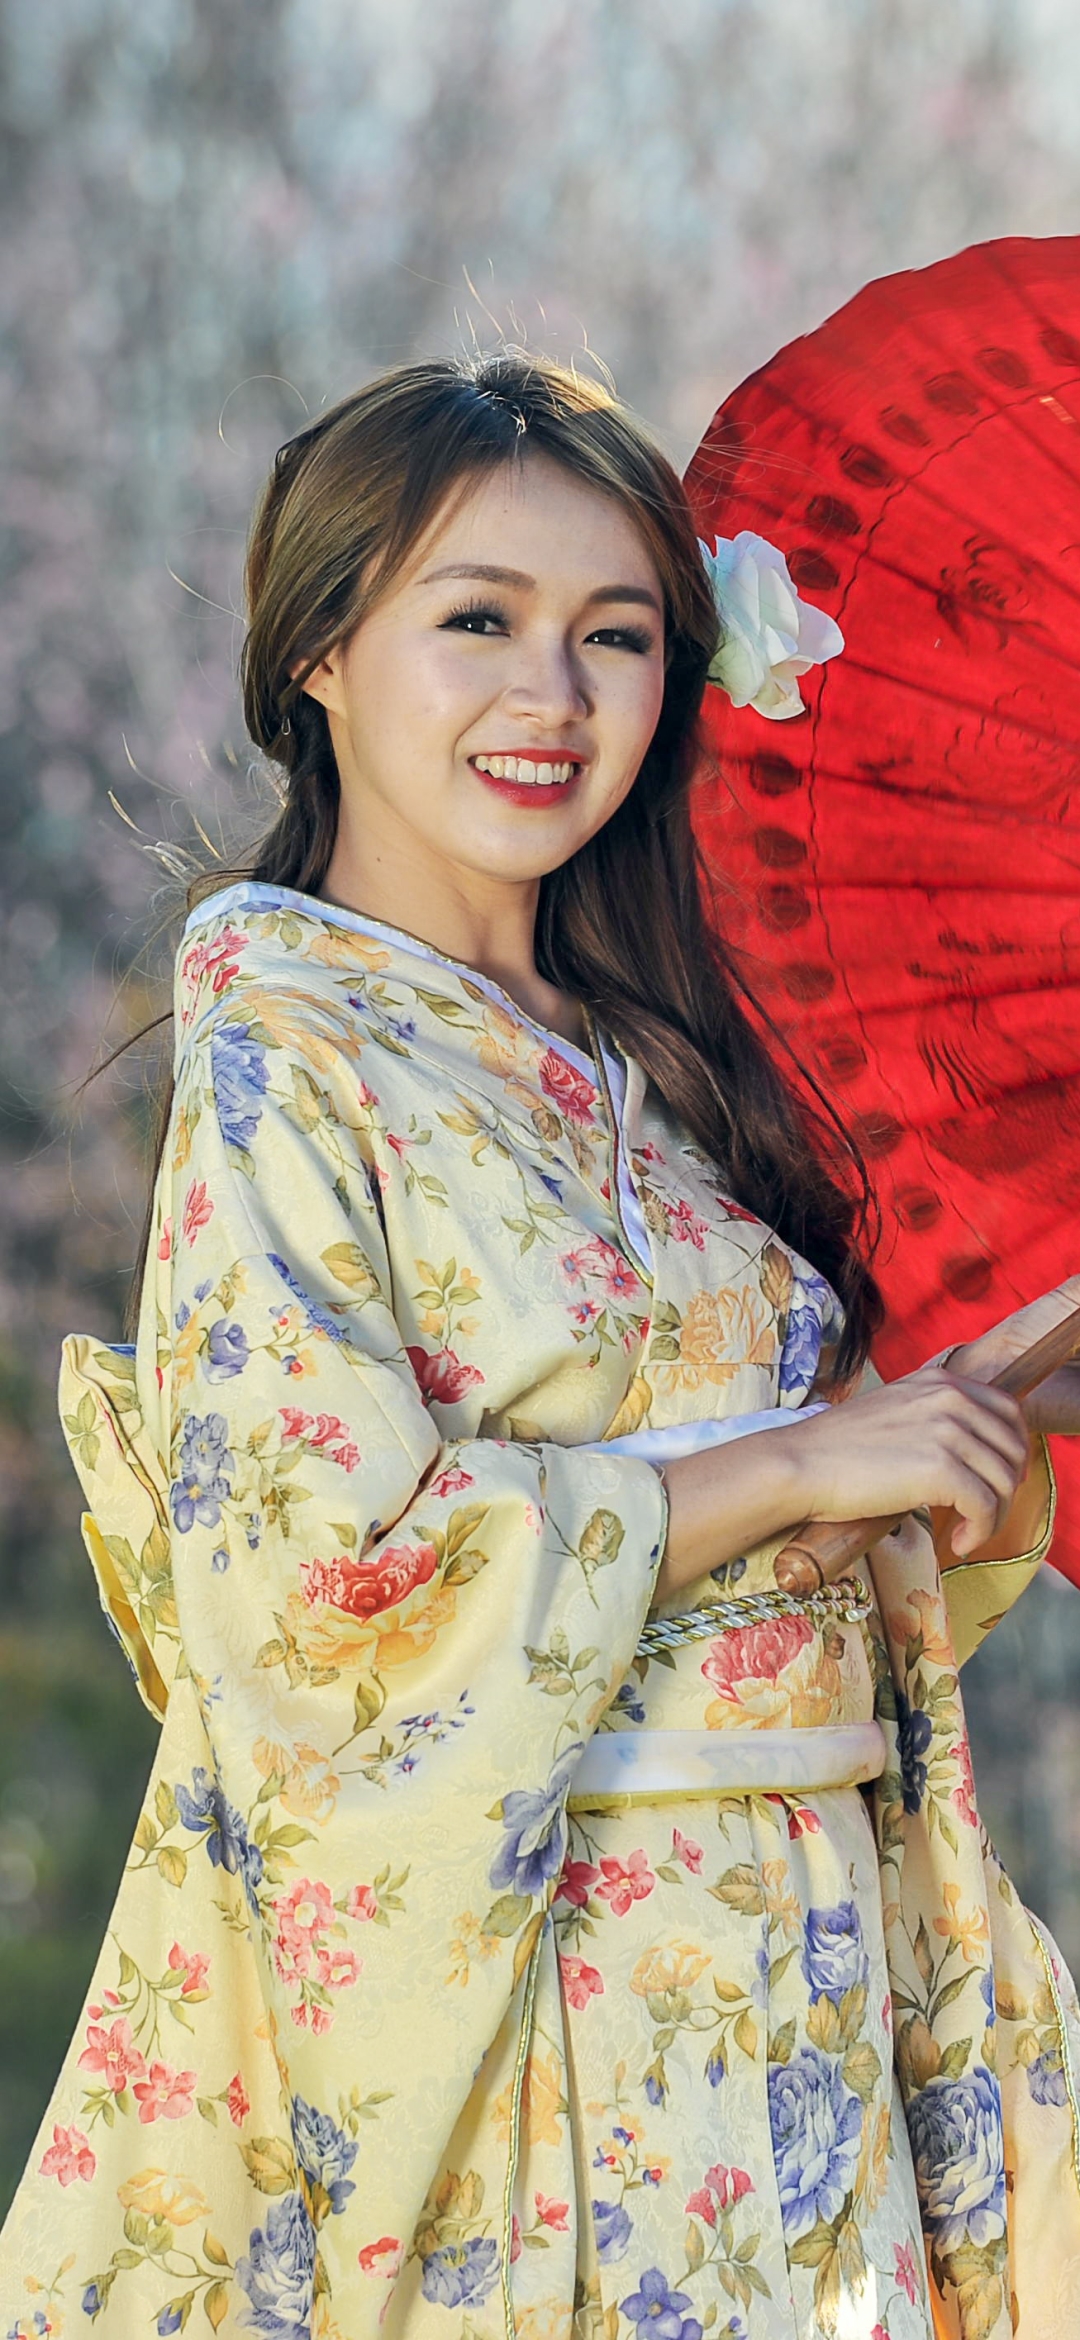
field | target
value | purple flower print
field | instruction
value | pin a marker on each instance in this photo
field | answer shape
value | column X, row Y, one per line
column 915, row 1732
column 240, row 1077
column 816, row 2124
column 461, row 2274
column 203, row 1484
column 205, row 1809
column 278, row 2272
column 226, row 1350
column 656, row 2310
column 613, row 2229
column 535, row 1841
column 958, row 2151
column 833, row 1958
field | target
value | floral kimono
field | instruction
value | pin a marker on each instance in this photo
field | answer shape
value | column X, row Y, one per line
column 496, row 1955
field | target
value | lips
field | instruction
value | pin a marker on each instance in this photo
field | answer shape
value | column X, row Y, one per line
column 539, row 777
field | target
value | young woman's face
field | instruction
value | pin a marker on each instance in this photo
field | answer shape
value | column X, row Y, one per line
column 493, row 709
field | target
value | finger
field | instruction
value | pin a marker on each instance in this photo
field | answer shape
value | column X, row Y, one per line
column 981, row 1512
column 995, row 1416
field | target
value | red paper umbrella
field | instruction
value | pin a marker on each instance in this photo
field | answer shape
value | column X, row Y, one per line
column 905, row 858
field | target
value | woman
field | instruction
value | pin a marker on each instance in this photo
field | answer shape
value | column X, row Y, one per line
column 496, row 1955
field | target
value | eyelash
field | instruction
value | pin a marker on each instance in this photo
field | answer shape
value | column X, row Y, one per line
column 637, row 638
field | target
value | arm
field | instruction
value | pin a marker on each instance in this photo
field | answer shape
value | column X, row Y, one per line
column 929, row 1439
column 435, row 1624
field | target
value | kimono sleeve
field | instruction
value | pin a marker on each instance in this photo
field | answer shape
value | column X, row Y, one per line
column 405, row 1639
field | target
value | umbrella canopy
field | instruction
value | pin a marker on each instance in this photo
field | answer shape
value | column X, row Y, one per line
column 901, row 865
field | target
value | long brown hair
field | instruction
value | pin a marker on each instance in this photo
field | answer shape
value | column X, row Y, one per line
column 622, row 924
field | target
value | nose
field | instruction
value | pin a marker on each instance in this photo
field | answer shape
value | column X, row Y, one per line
column 548, row 682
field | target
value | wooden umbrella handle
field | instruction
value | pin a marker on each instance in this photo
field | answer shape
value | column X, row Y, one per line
column 825, row 1548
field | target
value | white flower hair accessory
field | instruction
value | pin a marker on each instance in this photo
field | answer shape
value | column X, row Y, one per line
column 769, row 636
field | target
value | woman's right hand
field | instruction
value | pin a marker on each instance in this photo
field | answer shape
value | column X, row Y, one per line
column 933, row 1438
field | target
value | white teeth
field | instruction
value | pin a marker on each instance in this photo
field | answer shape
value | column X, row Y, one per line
column 524, row 770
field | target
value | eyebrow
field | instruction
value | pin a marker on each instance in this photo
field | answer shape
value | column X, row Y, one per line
column 487, row 573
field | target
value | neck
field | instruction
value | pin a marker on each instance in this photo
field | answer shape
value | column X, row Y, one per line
column 491, row 932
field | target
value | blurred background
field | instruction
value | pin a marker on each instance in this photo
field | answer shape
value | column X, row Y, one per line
column 220, row 216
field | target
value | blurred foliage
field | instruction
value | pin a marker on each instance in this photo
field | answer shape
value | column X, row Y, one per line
column 220, row 215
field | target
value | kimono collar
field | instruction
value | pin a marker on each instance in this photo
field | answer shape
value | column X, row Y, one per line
column 250, row 894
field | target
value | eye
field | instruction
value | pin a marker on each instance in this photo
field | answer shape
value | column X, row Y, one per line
column 474, row 618
column 625, row 638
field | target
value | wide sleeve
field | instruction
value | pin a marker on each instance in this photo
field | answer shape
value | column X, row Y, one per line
column 405, row 1637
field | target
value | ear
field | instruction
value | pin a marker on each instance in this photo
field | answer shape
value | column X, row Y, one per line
column 326, row 682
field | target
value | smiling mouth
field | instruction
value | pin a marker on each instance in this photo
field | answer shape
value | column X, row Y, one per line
column 536, row 771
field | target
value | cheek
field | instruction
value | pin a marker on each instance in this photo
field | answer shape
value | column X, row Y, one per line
column 633, row 711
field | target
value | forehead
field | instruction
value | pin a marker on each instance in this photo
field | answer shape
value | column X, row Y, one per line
column 534, row 515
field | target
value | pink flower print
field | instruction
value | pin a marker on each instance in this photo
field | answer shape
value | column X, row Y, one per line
column 619, row 1279
column 382, row 2257
column 580, row 1982
column 963, row 1795
column 906, row 2270
column 684, row 1224
column 586, row 1311
column 684, row 1849
column 879, row 2333
column 327, row 1428
column 164, row 2094
column 606, row 1189
column 576, row 1883
column 198, row 1209
column 238, row 2101
column 728, row 2185
column 567, row 1088
column 321, row 1432
column 755, row 1653
column 575, row 1264
column 451, row 1482
column 219, row 959
column 113, row 2053
column 294, row 1422
column 701, row 2205
column 886, row 2013
column 362, row 1903
column 442, row 1375
column 192, row 1964
column 365, row 1588
column 553, row 2214
column 321, row 2019
column 70, row 2156
column 336, row 1969
column 305, row 1912
column 164, row 1249
column 364, row 1095
column 625, row 1882
column 515, row 2238
column 801, row 1821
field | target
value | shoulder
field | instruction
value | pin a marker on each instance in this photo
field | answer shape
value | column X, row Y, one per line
column 257, row 975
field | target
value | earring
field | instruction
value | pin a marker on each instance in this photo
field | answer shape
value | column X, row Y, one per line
column 286, row 728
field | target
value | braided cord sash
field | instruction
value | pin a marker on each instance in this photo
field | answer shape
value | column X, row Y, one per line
column 845, row 1603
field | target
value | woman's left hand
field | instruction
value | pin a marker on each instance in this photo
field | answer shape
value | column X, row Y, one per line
column 1055, row 1405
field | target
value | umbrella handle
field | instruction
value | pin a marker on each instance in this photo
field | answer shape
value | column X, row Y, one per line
column 825, row 1548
